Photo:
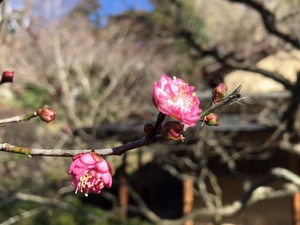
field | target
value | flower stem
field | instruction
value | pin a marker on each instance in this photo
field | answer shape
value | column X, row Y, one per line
column 227, row 100
column 160, row 118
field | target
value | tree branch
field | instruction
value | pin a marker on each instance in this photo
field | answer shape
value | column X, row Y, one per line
column 289, row 115
column 269, row 21
column 25, row 214
column 230, row 62
column 228, row 59
column 119, row 150
column 255, row 194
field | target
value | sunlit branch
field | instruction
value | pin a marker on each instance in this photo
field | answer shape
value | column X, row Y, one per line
column 119, row 150
column 225, row 59
column 269, row 21
column 18, row 119
column 227, row 100
column 255, row 194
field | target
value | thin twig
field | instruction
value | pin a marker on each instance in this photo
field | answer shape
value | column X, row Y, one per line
column 119, row 150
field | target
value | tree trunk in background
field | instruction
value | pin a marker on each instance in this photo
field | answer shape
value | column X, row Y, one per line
column 3, row 22
column 123, row 190
column 293, row 166
column 296, row 206
column 188, row 199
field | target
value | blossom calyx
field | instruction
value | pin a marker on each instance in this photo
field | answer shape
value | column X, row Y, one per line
column 7, row 76
column 211, row 119
column 175, row 98
column 46, row 114
column 90, row 173
column 172, row 130
column 219, row 92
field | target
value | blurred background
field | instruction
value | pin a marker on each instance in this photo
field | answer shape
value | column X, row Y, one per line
column 95, row 62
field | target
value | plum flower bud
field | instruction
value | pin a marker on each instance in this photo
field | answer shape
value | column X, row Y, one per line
column 7, row 76
column 46, row 114
column 219, row 92
column 177, row 99
column 211, row 119
column 172, row 130
column 91, row 173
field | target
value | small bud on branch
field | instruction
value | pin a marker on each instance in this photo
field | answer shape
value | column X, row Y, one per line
column 219, row 92
column 46, row 114
column 211, row 119
column 172, row 130
column 7, row 77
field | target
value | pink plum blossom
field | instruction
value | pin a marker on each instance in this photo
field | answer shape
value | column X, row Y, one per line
column 175, row 98
column 91, row 173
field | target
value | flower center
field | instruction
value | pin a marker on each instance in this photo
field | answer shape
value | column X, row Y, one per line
column 184, row 98
column 87, row 182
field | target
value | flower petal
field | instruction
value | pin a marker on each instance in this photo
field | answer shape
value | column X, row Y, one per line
column 107, row 179
column 87, row 159
column 102, row 166
column 72, row 166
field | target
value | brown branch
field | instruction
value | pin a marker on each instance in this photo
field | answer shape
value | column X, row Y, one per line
column 255, row 194
column 48, row 202
column 286, row 144
column 290, row 114
column 29, row 116
column 25, row 214
column 143, row 208
column 269, row 21
column 155, row 136
column 119, row 150
column 228, row 59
